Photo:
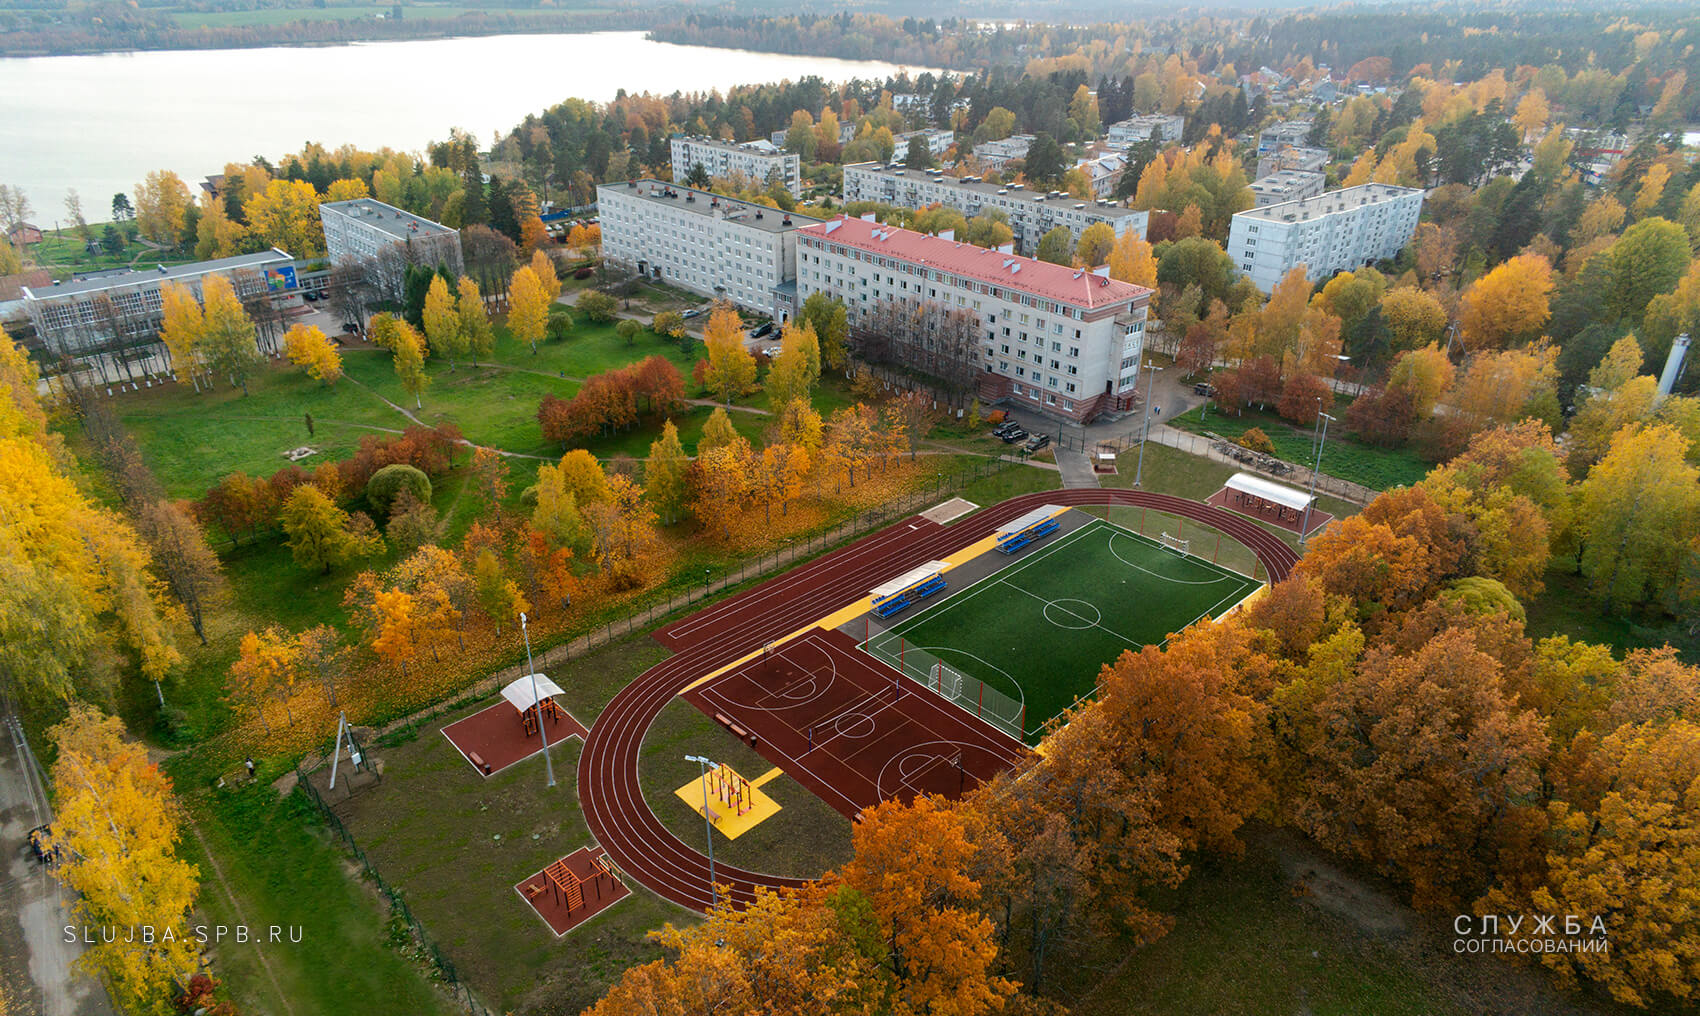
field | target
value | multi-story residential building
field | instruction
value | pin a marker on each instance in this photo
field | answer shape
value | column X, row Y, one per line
column 998, row 154
column 1290, row 132
column 1332, row 232
column 1030, row 213
column 1127, row 133
column 707, row 243
column 938, row 141
column 105, row 310
column 1287, row 185
column 760, row 162
column 1064, row 341
column 386, row 240
column 1294, row 157
column 1103, row 172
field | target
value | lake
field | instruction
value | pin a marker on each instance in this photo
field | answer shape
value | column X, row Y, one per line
column 100, row 123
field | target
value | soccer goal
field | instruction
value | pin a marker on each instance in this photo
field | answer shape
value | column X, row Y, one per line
column 1176, row 544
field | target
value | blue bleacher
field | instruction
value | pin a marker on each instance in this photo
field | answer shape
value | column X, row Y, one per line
column 920, row 591
column 1015, row 541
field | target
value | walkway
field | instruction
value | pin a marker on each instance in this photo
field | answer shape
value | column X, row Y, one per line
column 613, row 802
column 1076, row 469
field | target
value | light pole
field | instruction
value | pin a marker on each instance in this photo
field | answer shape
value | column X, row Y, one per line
column 1304, row 524
column 702, row 772
column 1451, row 333
column 705, row 582
column 1145, row 426
column 542, row 728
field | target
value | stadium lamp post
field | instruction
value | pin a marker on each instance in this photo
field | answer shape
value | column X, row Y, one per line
column 702, row 770
column 1304, row 524
column 1145, row 427
column 542, row 728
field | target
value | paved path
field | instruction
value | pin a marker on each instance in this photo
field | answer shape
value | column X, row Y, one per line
column 1076, row 469
column 35, row 959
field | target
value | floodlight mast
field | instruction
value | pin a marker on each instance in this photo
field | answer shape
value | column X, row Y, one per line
column 702, row 771
column 536, row 703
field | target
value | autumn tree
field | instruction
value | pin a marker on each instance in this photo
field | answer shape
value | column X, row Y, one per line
column 556, row 513
column 498, row 595
column 441, row 321
column 731, row 368
column 1638, row 510
column 1096, row 243
column 797, row 368
column 182, row 557
column 719, row 484
column 1508, row 306
column 665, row 474
column 408, row 353
column 115, row 832
column 286, row 215
column 831, row 323
column 227, row 336
column 183, row 330
column 1131, row 260
column 1414, row 316
column 528, row 307
column 162, row 205
column 320, row 534
column 1646, row 260
column 475, row 330
column 307, row 346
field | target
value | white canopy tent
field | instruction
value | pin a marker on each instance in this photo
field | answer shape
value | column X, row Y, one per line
column 1268, row 490
column 520, row 695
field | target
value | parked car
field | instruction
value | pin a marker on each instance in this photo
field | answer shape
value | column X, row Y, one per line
column 772, row 351
column 1013, row 435
column 1205, row 389
column 762, row 329
column 1005, row 427
column 693, row 312
column 1036, row 442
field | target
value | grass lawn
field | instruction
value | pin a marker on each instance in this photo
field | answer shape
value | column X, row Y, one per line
column 1345, row 457
column 63, row 249
column 1566, row 607
column 1063, row 611
column 276, row 859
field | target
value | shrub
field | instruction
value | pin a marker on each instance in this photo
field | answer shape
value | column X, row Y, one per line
column 583, row 273
column 599, row 307
column 387, row 484
column 1257, row 441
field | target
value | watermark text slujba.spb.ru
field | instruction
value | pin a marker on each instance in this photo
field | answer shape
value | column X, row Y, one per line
column 202, row 934
column 1529, row 933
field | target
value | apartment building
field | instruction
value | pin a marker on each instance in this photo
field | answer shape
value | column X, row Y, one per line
column 124, row 307
column 998, row 154
column 717, row 246
column 387, row 239
column 938, row 141
column 1063, row 341
column 1278, row 135
column 1031, row 214
column 1127, row 133
column 1336, row 231
column 1294, row 157
column 1287, row 185
column 758, row 161
column 1103, row 172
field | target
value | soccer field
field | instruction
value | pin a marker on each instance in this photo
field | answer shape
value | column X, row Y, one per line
column 1037, row 632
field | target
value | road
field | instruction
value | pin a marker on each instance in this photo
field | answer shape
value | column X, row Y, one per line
column 35, row 960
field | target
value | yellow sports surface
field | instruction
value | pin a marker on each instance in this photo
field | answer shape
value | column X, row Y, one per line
column 758, row 806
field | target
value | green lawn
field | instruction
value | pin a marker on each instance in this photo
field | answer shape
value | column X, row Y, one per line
column 63, row 249
column 1038, row 630
column 276, row 860
column 1345, row 457
column 1567, row 607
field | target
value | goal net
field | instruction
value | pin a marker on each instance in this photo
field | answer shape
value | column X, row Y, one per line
column 1176, row 544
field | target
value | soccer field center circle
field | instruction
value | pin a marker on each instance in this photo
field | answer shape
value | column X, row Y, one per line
column 1072, row 617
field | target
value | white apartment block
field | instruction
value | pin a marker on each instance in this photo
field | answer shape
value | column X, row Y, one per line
column 1294, row 157
column 1279, row 135
column 758, row 161
column 1063, row 341
column 365, row 230
column 1031, row 214
column 1336, row 231
column 938, row 142
column 125, row 305
column 997, row 154
column 1287, row 185
column 707, row 243
column 1127, row 133
column 1103, row 172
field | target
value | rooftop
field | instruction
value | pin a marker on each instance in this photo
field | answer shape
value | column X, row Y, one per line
column 707, row 204
column 403, row 225
column 158, row 274
column 1074, row 286
column 1334, row 201
column 1286, row 179
column 1012, row 191
column 760, row 146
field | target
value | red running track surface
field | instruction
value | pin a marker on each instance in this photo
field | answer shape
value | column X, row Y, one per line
column 614, row 806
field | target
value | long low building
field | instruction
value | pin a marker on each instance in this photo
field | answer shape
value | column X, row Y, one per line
column 707, row 243
column 759, row 162
column 1336, row 231
column 124, row 307
column 1130, row 132
column 1031, row 214
column 1063, row 341
column 1287, row 185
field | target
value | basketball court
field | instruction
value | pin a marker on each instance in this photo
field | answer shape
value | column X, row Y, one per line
column 848, row 728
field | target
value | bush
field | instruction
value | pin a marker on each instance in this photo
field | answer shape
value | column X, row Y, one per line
column 387, row 484
column 583, row 273
column 598, row 306
column 1257, row 441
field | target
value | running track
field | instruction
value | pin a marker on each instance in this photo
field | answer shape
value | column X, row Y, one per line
column 614, row 807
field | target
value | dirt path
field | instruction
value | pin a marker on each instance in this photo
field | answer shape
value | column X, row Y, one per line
column 236, row 907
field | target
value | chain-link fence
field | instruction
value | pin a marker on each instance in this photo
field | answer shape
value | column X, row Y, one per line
column 1217, row 449
column 401, row 915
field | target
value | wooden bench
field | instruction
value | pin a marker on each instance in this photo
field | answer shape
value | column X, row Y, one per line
column 722, row 719
column 478, row 760
column 740, row 731
column 713, row 816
